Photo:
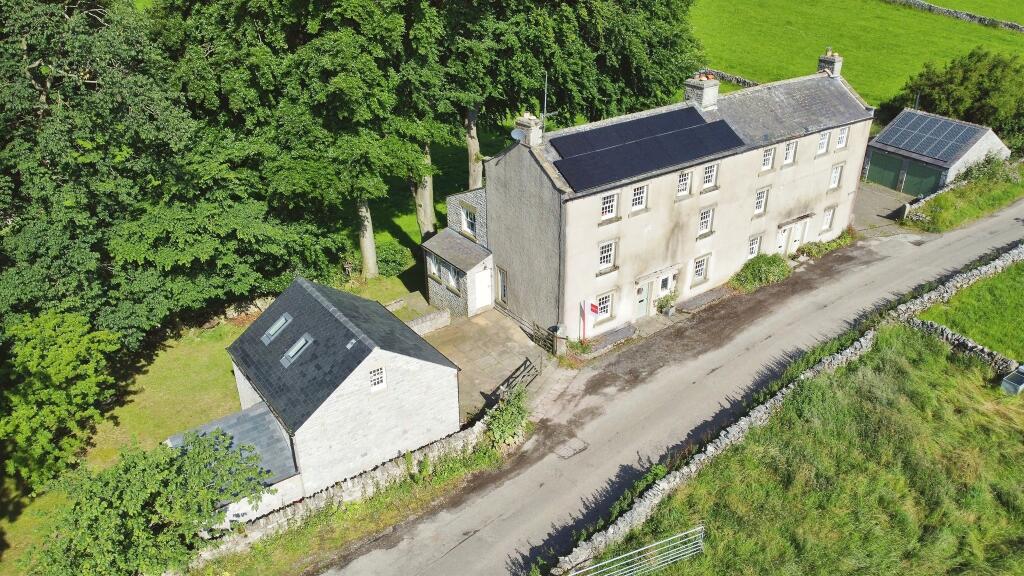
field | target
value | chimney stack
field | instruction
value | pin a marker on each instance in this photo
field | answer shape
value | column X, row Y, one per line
column 532, row 129
column 702, row 90
column 831, row 62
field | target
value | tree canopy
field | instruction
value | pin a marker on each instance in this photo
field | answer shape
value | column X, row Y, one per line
column 148, row 511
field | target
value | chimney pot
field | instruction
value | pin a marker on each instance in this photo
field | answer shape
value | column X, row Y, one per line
column 831, row 62
column 532, row 128
column 702, row 91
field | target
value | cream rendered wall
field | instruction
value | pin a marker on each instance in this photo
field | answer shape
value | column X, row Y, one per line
column 247, row 395
column 662, row 238
column 357, row 428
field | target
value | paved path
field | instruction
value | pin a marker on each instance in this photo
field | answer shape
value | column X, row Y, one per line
column 631, row 407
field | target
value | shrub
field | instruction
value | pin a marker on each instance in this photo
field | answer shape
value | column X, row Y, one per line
column 987, row 187
column 508, row 419
column 393, row 258
column 819, row 249
column 666, row 301
column 582, row 346
column 761, row 270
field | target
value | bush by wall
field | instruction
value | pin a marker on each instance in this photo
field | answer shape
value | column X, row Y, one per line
column 761, row 270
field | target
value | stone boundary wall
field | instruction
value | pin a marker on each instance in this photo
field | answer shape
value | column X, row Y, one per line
column 429, row 322
column 965, row 345
column 723, row 75
column 959, row 15
column 947, row 290
column 358, row 487
column 644, row 506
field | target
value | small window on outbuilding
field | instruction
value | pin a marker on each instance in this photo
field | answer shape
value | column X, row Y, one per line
column 276, row 328
column 296, row 349
column 377, row 378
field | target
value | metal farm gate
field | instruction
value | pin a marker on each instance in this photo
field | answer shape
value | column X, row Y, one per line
column 650, row 559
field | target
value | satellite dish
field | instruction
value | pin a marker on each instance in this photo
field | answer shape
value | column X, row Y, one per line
column 518, row 135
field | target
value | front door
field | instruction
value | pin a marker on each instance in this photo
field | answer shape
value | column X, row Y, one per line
column 643, row 297
column 783, row 240
column 796, row 236
column 484, row 290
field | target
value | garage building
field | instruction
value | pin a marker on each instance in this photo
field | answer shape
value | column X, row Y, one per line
column 919, row 153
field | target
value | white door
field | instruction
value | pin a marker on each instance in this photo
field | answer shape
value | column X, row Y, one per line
column 782, row 240
column 484, row 289
column 797, row 236
column 643, row 296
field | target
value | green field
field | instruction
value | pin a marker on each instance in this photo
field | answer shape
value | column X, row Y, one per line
column 883, row 44
column 1008, row 10
column 908, row 461
column 189, row 383
column 988, row 312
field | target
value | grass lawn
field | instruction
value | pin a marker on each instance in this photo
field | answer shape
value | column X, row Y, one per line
column 883, row 44
column 312, row 545
column 1008, row 10
column 988, row 312
column 908, row 461
column 189, row 383
column 968, row 203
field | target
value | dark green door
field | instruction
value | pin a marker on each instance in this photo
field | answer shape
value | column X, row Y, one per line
column 885, row 169
column 921, row 179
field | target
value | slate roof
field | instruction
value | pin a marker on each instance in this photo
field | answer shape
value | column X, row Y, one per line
column 783, row 110
column 344, row 329
column 458, row 250
column 258, row 427
column 928, row 137
column 595, row 156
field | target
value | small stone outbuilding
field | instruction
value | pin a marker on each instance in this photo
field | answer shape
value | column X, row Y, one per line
column 918, row 153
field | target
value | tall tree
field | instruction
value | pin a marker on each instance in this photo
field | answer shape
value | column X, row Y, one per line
column 57, row 382
column 981, row 87
column 150, row 511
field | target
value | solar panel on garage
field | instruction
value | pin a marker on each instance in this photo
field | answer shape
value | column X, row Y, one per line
column 930, row 136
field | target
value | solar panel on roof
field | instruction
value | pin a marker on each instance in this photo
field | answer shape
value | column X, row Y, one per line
column 620, row 133
column 608, row 165
column 933, row 137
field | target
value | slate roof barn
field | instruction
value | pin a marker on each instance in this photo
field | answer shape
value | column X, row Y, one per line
column 919, row 152
column 332, row 385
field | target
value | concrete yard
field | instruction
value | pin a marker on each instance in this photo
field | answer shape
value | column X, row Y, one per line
column 486, row 348
column 601, row 428
column 875, row 210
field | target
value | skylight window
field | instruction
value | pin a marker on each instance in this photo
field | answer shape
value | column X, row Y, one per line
column 300, row 345
column 276, row 328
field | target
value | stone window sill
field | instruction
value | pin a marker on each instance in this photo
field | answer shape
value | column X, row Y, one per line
column 611, row 220
column 758, row 215
column 604, row 320
column 683, row 197
column 706, row 235
column 469, row 235
column 699, row 281
column 709, row 189
column 608, row 270
column 644, row 210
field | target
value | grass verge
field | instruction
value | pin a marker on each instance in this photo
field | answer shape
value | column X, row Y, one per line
column 907, row 461
column 761, row 270
column 991, row 186
column 819, row 249
column 988, row 312
column 742, row 37
column 318, row 541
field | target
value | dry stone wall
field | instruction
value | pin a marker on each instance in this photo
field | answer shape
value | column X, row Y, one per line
column 959, row 14
column 1000, row 363
column 645, row 505
column 358, row 487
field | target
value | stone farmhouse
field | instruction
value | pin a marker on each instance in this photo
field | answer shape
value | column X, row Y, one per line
column 581, row 230
column 332, row 385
